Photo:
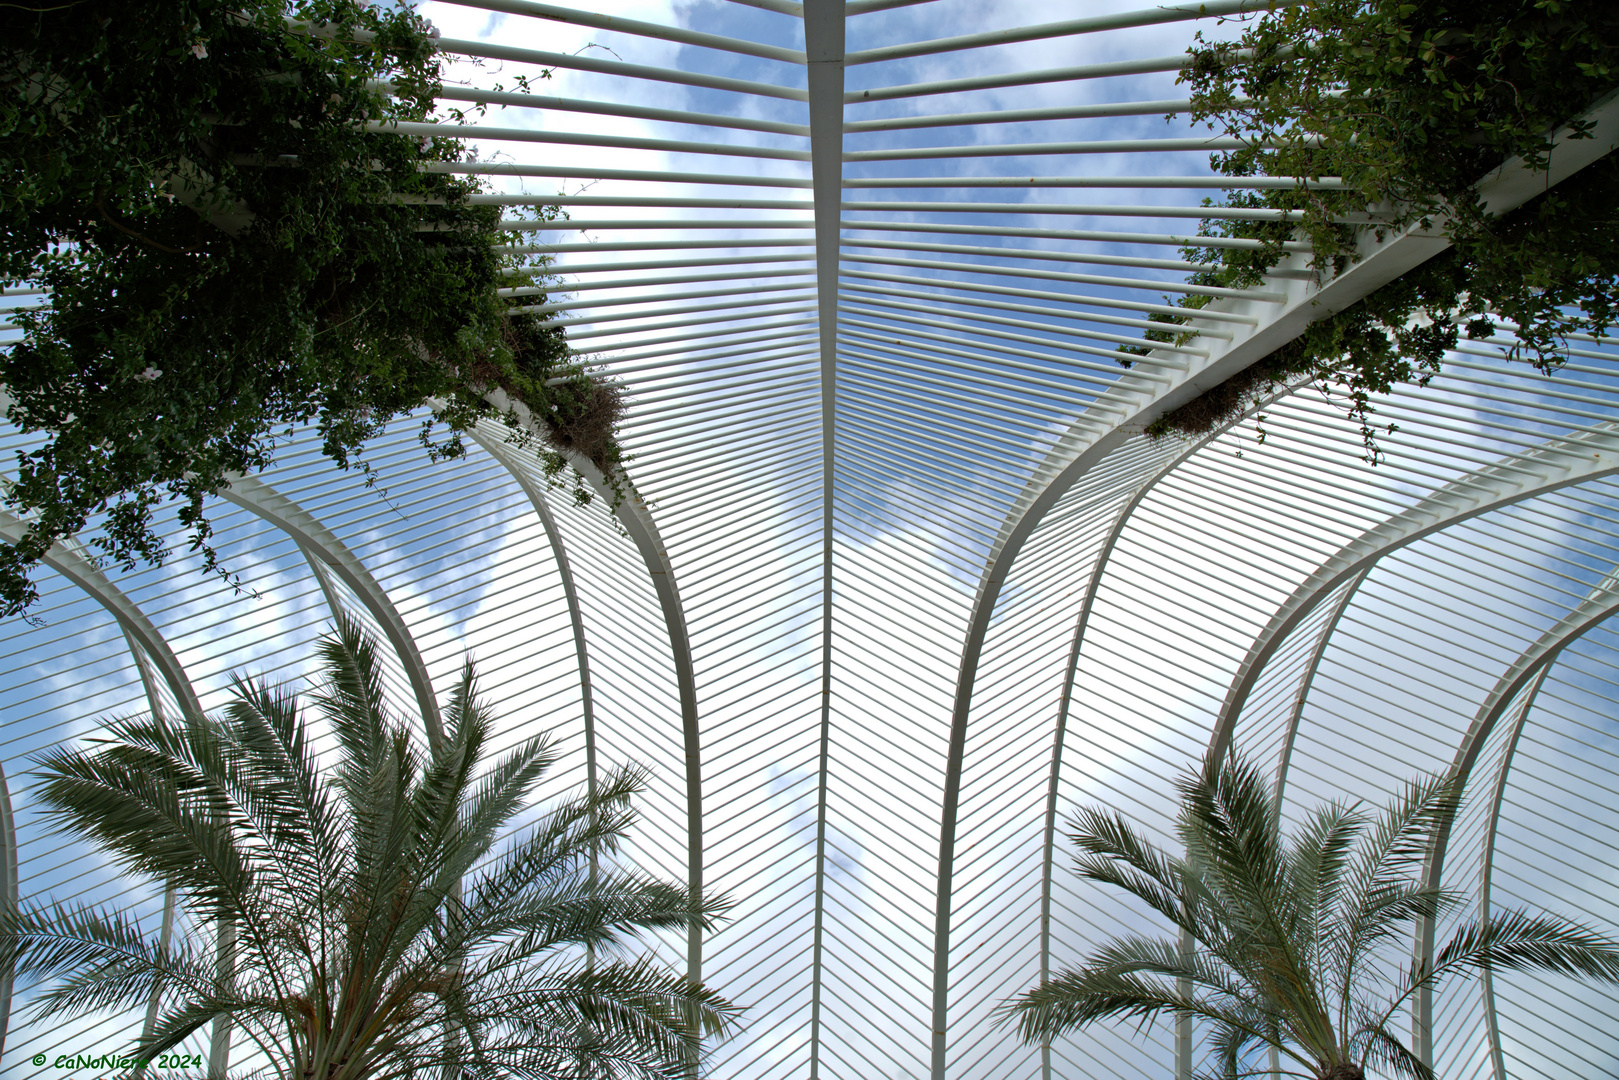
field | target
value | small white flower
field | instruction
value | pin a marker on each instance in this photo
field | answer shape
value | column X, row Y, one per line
column 200, row 50
column 149, row 374
column 433, row 31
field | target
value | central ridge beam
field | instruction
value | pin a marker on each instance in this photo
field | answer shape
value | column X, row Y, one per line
column 824, row 49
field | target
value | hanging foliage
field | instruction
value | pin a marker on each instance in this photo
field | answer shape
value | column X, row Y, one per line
column 1412, row 104
column 235, row 246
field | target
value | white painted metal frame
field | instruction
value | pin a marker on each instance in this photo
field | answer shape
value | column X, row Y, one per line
column 874, row 412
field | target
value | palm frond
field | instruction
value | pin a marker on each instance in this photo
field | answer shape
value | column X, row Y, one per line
column 1317, row 864
column 1113, row 853
column 1384, row 1051
column 1519, row 940
column 354, row 705
column 359, row 937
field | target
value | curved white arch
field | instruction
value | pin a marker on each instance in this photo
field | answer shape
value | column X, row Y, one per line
column 8, row 893
column 501, row 451
column 1135, row 401
column 322, row 548
column 1492, row 1026
column 1524, row 673
column 1557, row 463
column 131, row 620
column 636, row 517
column 149, row 650
column 1306, row 680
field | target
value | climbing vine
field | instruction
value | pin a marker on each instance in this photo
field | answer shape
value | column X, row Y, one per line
column 233, row 245
column 1412, row 104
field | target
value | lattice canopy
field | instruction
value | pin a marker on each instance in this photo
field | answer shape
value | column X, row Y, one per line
column 902, row 583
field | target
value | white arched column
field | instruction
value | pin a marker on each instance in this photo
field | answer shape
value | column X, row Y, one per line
column 503, row 452
column 1519, row 684
column 1133, row 401
column 328, row 554
column 638, row 523
column 154, row 660
column 1558, row 463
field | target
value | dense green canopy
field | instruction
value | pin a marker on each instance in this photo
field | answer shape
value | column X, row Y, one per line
column 232, row 249
column 1412, row 105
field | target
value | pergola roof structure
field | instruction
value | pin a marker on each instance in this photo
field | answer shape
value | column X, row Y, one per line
column 902, row 582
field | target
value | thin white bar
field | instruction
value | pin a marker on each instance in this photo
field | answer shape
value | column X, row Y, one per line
column 1114, row 369
column 1046, row 255
column 668, row 245
column 1144, row 284
column 667, row 225
column 784, row 7
column 565, row 172
column 727, row 306
column 1070, row 234
column 985, row 375
column 1020, row 78
column 617, row 68
column 651, row 264
column 937, row 350
column 863, row 7
column 620, row 301
column 1019, row 116
column 1089, row 317
column 1067, row 28
column 1131, row 183
column 679, row 279
column 711, row 335
column 445, row 130
column 517, row 100
column 1099, row 146
column 1141, row 210
column 718, row 204
column 732, row 315
column 1022, row 324
column 1061, row 298
column 635, row 26
column 727, row 348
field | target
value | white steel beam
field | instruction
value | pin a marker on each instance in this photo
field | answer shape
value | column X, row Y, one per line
column 518, row 100
column 1134, row 402
column 503, row 452
column 1520, row 680
column 1306, row 681
column 634, row 26
column 824, row 29
column 320, row 545
column 446, row 130
column 636, row 517
column 617, row 68
column 8, row 894
column 1555, row 464
column 149, row 649
column 1068, row 28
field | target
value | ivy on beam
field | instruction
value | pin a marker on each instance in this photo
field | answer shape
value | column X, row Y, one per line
column 1411, row 104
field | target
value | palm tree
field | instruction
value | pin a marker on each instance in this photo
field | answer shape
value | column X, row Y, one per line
column 1303, row 943
column 375, row 934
